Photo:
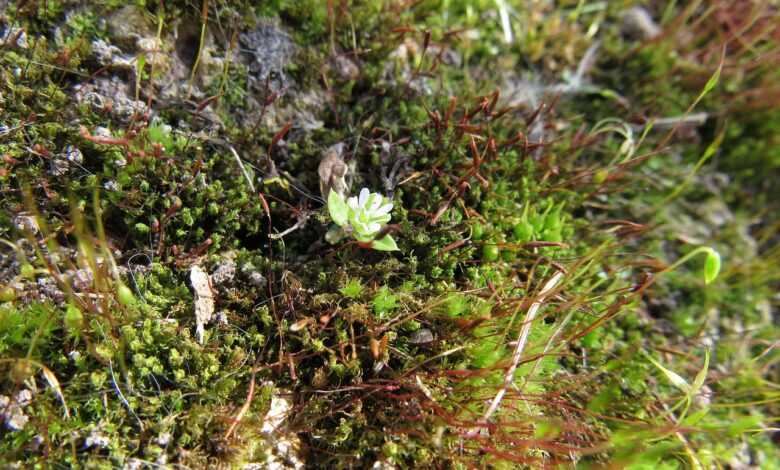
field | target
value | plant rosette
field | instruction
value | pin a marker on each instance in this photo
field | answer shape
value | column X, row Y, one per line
column 363, row 217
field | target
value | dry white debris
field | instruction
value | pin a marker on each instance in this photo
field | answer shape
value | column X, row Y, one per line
column 204, row 299
column 285, row 446
column 333, row 171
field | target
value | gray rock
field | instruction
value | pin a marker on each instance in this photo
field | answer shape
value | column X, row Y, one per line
column 109, row 55
column 268, row 50
column 421, row 336
column 48, row 290
column 114, row 95
column 127, row 25
column 224, row 274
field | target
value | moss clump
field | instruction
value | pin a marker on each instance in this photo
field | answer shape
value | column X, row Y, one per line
column 530, row 318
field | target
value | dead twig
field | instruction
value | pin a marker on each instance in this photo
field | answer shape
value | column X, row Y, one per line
column 250, row 395
column 522, row 340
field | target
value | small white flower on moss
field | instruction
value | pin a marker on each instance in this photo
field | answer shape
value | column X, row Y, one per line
column 363, row 217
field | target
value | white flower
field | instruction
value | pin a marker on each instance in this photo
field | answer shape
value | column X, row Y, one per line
column 363, row 216
column 367, row 214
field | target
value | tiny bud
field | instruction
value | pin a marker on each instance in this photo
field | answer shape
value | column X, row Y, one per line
column 125, row 295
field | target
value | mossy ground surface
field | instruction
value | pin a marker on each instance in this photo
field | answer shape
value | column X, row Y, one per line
column 549, row 163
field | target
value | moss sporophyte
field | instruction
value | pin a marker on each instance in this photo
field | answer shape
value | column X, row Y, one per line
column 363, row 217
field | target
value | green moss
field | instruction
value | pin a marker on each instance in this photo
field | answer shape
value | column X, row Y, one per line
column 392, row 357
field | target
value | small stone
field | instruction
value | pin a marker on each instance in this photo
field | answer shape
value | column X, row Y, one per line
column 17, row 420
column 109, row 55
column 224, row 274
column 82, row 279
column 284, row 453
column 96, row 439
column 257, row 279
column 639, row 24
column 12, row 36
column 61, row 163
column 101, row 131
column 344, row 67
column 133, row 464
column 114, row 95
column 153, row 49
column 26, row 223
column 36, row 443
column 703, row 399
column 421, row 336
column 58, row 167
column 73, row 154
column 126, row 109
column 164, row 439
column 23, row 398
column 49, row 291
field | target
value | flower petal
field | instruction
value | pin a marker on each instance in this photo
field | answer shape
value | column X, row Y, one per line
column 375, row 202
column 353, row 203
column 384, row 209
column 363, row 198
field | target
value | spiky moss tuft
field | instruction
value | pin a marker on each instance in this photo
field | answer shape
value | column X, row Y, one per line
column 391, row 358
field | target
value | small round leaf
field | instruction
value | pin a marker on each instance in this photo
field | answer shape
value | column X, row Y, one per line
column 711, row 266
column 385, row 243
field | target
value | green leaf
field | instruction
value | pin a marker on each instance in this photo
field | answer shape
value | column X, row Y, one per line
column 711, row 266
column 672, row 376
column 337, row 208
column 384, row 244
column 698, row 382
column 713, row 81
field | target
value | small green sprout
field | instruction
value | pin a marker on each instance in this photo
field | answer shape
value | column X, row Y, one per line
column 711, row 263
column 363, row 217
column 353, row 289
column 384, row 301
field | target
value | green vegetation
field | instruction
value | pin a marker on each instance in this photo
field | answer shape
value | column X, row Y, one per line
column 581, row 268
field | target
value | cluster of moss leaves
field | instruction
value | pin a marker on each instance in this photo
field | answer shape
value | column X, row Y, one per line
column 390, row 358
